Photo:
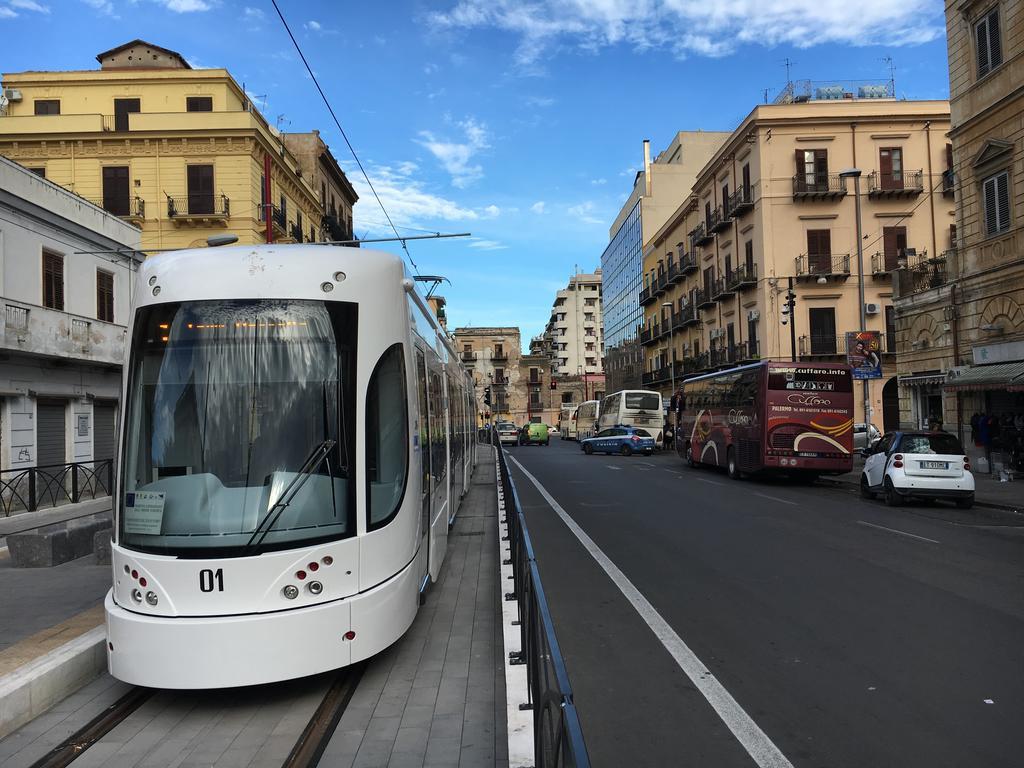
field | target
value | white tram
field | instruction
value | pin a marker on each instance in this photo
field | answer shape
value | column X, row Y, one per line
column 296, row 438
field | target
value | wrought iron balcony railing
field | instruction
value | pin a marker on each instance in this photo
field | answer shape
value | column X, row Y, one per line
column 198, row 206
column 741, row 202
column 818, row 186
column 814, row 265
column 895, row 184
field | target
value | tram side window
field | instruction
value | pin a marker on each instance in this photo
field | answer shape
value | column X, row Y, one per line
column 424, row 430
column 438, row 447
column 386, row 437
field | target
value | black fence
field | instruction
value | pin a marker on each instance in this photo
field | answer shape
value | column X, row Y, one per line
column 557, row 735
column 32, row 488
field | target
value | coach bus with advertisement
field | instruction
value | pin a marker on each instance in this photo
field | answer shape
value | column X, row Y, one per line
column 769, row 417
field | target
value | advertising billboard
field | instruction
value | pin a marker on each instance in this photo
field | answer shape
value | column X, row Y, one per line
column 863, row 353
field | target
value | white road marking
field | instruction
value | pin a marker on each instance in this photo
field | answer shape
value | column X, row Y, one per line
column 760, row 748
column 901, row 533
column 611, row 466
column 645, row 464
column 776, row 498
column 706, row 480
column 674, row 472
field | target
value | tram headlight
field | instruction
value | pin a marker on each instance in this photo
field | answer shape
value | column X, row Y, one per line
column 151, row 598
column 137, row 595
column 315, row 587
column 291, row 591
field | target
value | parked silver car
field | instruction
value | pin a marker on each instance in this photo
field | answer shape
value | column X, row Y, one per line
column 864, row 436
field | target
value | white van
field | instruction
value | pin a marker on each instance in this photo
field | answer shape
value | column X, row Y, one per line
column 634, row 408
column 567, row 422
column 586, row 419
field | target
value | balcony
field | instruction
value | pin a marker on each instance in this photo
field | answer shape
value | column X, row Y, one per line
column 721, row 289
column 199, row 209
column 131, row 209
column 468, row 357
column 703, row 299
column 43, row 332
column 933, row 274
column 660, row 284
column 295, row 233
column 819, row 186
column 820, row 345
column 720, row 219
column 719, row 357
column 827, row 265
column 335, row 229
column 649, row 335
column 895, row 185
column 741, row 202
column 647, row 296
column 672, row 274
column 701, row 362
column 948, row 183
column 687, row 265
column 499, row 356
column 685, row 317
column 700, row 236
column 743, row 277
column 746, row 351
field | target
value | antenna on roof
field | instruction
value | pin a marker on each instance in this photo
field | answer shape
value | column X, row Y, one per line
column 789, row 65
column 892, row 74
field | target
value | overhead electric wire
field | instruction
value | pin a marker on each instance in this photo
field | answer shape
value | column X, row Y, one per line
column 337, row 122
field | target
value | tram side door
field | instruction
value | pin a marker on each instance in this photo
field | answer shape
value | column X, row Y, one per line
column 439, row 472
column 423, row 427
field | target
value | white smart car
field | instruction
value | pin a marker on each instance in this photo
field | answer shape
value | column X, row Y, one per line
column 924, row 465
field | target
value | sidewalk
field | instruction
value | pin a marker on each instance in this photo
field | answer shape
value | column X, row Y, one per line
column 988, row 491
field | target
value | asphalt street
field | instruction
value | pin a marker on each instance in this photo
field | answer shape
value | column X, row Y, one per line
column 845, row 632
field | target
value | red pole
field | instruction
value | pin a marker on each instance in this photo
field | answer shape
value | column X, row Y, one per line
column 268, row 206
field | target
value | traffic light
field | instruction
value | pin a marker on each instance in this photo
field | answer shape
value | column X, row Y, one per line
column 554, row 384
column 788, row 306
column 487, row 395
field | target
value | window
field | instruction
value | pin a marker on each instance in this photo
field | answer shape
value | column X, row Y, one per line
column 890, row 167
column 386, row 439
column 200, row 189
column 812, row 170
column 199, row 104
column 53, row 280
column 823, row 330
column 752, row 336
column 104, row 296
column 986, row 40
column 748, row 256
column 746, row 181
column 40, row 172
column 323, row 194
column 725, row 201
column 116, row 190
column 534, row 376
column 47, row 106
column 499, row 375
column 123, row 108
column 709, row 280
column 894, row 240
column 819, row 251
column 996, row 201
column 890, row 329
column 707, row 214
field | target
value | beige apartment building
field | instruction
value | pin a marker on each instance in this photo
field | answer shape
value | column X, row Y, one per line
column 655, row 195
column 770, row 211
column 573, row 333
column 336, row 194
column 494, row 357
column 180, row 152
column 961, row 328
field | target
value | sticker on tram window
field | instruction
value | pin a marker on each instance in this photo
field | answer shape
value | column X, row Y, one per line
column 144, row 512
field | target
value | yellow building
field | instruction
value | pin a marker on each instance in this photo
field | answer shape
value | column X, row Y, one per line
column 962, row 328
column 181, row 152
column 769, row 210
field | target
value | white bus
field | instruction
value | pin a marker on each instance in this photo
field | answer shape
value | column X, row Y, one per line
column 586, row 419
column 567, row 422
column 634, row 408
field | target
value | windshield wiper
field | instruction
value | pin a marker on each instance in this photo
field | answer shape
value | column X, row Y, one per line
column 318, row 454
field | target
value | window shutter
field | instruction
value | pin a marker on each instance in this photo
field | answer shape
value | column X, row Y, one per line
column 995, row 49
column 821, row 165
column 801, row 167
column 1003, row 201
column 949, row 156
column 991, row 214
column 981, row 46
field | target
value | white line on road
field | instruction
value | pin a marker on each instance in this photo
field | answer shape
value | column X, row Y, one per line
column 610, row 466
column 645, row 464
column 776, row 498
column 901, row 533
column 761, row 748
column 706, row 480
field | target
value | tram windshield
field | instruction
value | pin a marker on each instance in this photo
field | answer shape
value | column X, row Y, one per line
column 239, row 427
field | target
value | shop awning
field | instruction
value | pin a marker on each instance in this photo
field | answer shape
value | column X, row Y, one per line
column 997, row 376
column 922, row 379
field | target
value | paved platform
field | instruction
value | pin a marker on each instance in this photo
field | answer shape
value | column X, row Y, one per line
column 435, row 698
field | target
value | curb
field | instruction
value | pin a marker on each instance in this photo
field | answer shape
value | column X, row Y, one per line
column 31, row 690
column 1005, row 508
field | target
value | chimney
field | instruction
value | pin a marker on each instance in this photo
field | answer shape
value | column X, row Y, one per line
column 647, row 167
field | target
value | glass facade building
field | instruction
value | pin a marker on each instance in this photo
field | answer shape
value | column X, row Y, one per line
column 621, row 270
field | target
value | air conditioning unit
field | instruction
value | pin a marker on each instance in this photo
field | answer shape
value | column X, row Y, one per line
column 753, row 314
column 871, row 308
column 12, row 94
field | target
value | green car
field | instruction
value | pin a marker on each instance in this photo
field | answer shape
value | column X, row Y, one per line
column 534, row 434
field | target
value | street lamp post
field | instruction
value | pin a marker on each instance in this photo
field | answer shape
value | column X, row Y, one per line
column 854, row 173
column 671, row 350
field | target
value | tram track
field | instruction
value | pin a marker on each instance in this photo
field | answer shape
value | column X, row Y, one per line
column 305, row 753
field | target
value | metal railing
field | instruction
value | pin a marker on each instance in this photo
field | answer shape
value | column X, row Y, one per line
column 895, row 183
column 823, row 265
column 33, row 488
column 557, row 733
column 741, row 201
column 217, row 206
column 818, row 185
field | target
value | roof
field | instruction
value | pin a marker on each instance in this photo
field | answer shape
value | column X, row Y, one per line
column 981, row 377
column 137, row 41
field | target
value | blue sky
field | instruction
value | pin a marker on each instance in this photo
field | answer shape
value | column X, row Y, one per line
column 520, row 122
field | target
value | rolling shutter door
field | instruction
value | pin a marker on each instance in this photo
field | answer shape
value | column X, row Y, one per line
column 104, row 417
column 50, row 435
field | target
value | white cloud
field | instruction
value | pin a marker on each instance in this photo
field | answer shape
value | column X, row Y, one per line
column 313, row 26
column 598, row 182
column 105, row 7
column 538, row 207
column 406, row 199
column 694, row 26
column 6, row 13
column 539, row 101
column 456, row 157
column 584, row 212
column 492, row 211
column 430, row 68
column 487, row 245
column 186, row 6
column 254, row 15
column 28, row 5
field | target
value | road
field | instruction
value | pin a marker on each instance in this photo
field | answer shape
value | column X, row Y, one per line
column 837, row 632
